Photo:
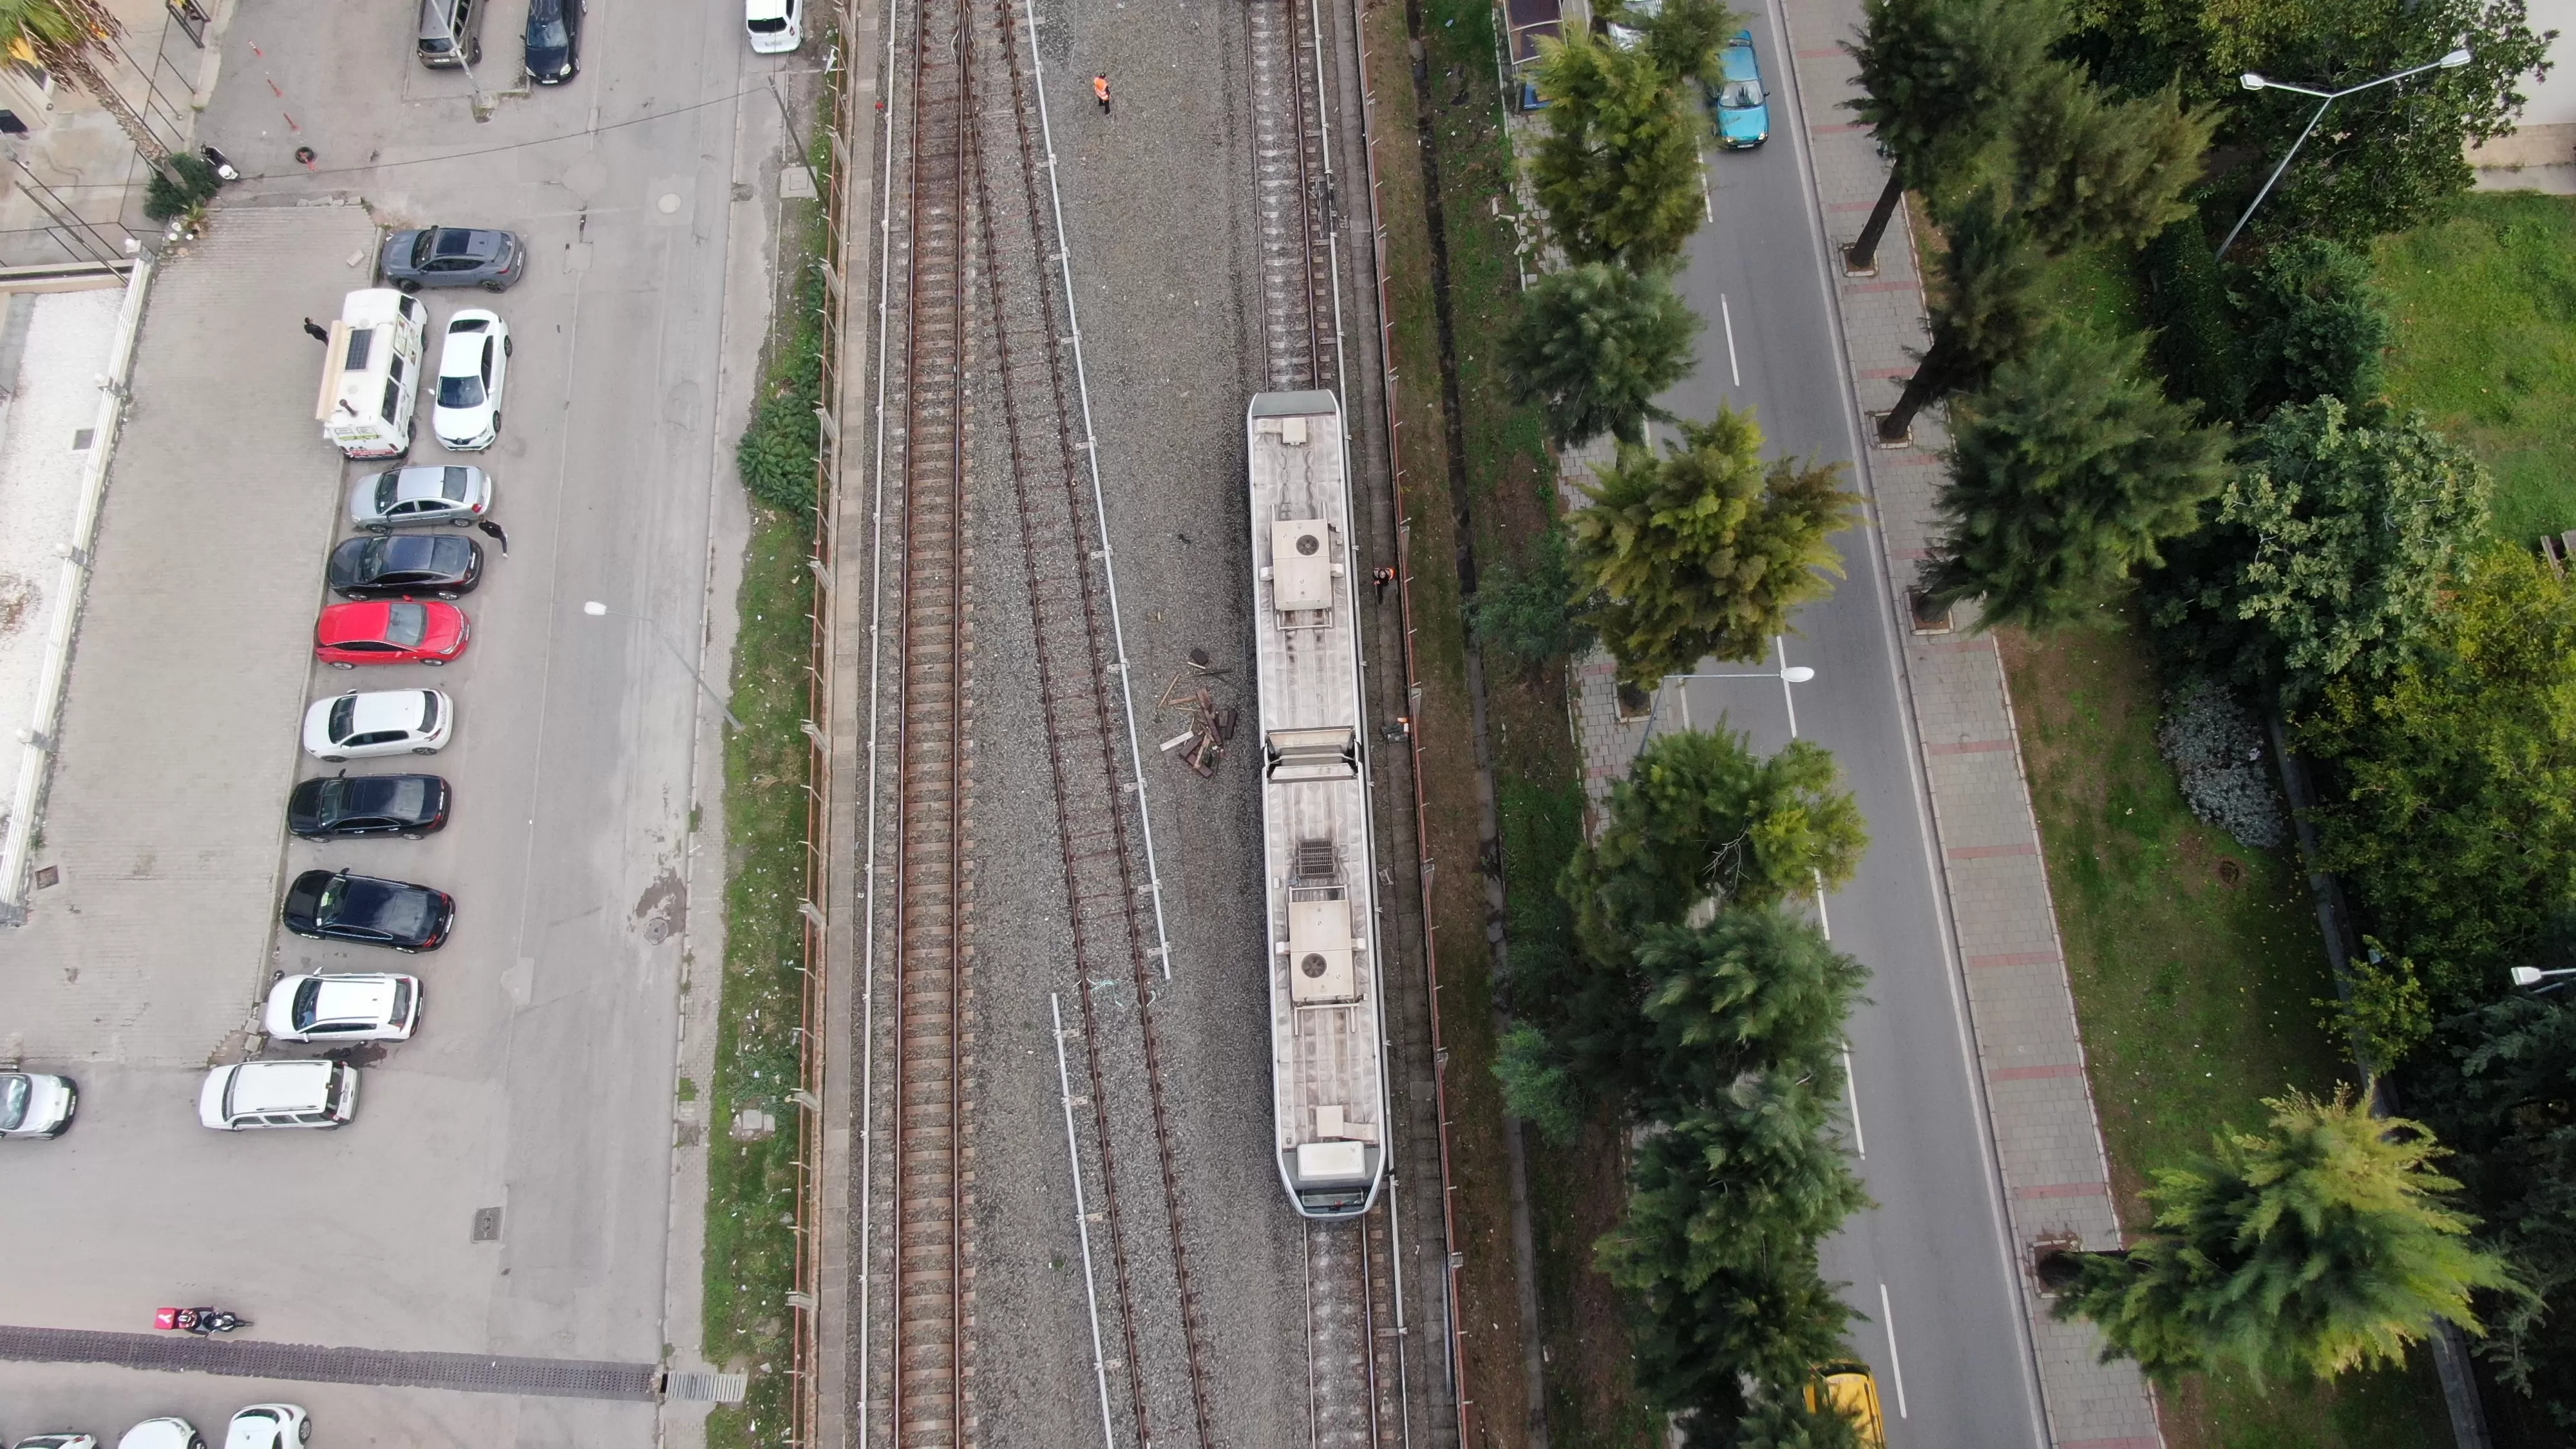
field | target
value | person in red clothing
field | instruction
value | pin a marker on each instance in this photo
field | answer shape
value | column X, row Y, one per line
column 1100, row 92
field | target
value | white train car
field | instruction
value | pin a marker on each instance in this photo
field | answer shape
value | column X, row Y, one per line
column 1327, row 1042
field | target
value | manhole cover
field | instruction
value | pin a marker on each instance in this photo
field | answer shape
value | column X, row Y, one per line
column 487, row 1225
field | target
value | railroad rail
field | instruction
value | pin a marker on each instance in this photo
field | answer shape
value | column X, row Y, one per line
column 1293, row 193
column 1355, row 1395
column 932, row 1218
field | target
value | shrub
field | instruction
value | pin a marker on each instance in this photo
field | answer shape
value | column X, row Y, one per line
column 2218, row 751
column 1526, row 614
column 2197, row 345
column 197, row 183
column 779, row 451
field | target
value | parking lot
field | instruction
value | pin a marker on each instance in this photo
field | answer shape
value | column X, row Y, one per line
column 541, row 1081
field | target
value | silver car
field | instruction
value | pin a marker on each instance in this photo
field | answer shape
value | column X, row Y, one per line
column 409, row 497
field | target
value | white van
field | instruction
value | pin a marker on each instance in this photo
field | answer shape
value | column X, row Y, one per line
column 371, row 373
column 297, row 1093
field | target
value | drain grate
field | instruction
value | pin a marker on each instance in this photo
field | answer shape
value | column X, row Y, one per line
column 560, row 1378
column 487, row 1225
column 706, row 1388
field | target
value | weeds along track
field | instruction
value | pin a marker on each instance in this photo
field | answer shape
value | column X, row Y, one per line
column 1293, row 195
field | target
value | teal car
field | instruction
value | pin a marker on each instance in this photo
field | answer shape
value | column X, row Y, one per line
column 1743, row 112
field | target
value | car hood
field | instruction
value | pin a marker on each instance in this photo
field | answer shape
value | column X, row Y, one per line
column 1751, row 123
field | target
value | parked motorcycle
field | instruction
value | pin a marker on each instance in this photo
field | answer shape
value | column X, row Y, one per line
column 199, row 1321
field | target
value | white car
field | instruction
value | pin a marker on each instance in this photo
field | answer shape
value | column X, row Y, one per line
column 162, row 1434
column 370, row 1007
column 64, row 1440
column 36, row 1104
column 269, row 1426
column 473, row 364
column 363, row 725
column 773, row 25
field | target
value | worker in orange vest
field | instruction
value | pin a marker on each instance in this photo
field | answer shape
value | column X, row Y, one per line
column 1100, row 90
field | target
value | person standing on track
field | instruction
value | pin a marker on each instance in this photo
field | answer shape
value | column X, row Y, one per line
column 1100, row 92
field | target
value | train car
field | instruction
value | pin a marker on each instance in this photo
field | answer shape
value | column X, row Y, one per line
column 1327, row 1044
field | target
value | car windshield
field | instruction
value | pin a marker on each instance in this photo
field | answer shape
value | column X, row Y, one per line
column 332, row 895
column 15, row 1089
column 1741, row 95
column 308, row 998
column 429, row 711
column 546, row 26
column 406, row 624
column 460, row 392
column 452, row 487
column 769, row 27
column 423, row 249
column 388, row 492
column 344, row 716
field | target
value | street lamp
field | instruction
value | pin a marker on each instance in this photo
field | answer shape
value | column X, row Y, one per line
column 1788, row 674
column 2253, row 82
column 2533, row 975
column 597, row 610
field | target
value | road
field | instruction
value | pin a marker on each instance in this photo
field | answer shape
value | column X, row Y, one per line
column 1946, row 1339
column 542, row 1081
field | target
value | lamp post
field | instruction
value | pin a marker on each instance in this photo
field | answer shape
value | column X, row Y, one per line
column 1787, row 674
column 2533, row 976
column 597, row 610
column 2254, row 82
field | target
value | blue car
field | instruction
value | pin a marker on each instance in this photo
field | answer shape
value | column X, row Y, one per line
column 1743, row 112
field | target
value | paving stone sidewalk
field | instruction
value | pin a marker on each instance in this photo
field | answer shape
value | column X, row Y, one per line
column 2047, row 1138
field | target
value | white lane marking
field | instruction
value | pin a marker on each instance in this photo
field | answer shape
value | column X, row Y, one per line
column 1895, row 1365
column 1726, row 315
column 1707, row 208
column 1851, row 1098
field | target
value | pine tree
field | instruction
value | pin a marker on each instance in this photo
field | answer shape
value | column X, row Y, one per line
column 1591, row 348
column 1989, row 302
column 2066, row 471
column 2321, row 1246
column 1683, row 36
column 2088, row 167
column 1619, row 167
column 1705, row 551
column 1938, row 81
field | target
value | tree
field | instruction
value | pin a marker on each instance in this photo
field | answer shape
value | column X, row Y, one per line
column 1937, row 81
column 1989, row 302
column 2318, row 325
column 2323, row 1246
column 1756, row 991
column 1701, row 818
column 72, row 39
column 1537, row 1085
column 1705, row 550
column 2385, row 159
column 2505, row 1099
column 1619, row 166
column 1683, row 36
column 1592, row 345
column 2065, row 473
column 2090, row 167
column 2453, row 810
column 2326, row 552
column 1523, row 615
column 1722, row 1352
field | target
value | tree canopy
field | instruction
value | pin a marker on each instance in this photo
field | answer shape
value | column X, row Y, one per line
column 2323, row 1245
column 1705, row 550
column 1989, row 300
column 2386, row 157
column 2066, row 472
column 1618, row 168
column 2325, row 553
column 2453, row 806
column 2317, row 325
column 2090, row 166
column 1938, row 81
column 1591, row 347
column 1523, row 614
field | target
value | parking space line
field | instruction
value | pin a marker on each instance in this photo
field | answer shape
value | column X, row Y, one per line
column 474, row 1373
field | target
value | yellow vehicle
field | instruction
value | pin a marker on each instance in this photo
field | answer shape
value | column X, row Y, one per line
column 1848, row 1390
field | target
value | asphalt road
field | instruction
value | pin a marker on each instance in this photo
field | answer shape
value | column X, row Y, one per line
column 542, row 1078
column 1927, row 1267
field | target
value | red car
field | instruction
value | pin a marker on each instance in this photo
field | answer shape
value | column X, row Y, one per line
column 389, row 631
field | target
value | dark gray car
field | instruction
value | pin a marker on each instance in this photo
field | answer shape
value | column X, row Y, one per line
column 454, row 256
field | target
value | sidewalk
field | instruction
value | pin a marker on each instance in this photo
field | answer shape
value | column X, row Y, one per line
column 2047, row 1140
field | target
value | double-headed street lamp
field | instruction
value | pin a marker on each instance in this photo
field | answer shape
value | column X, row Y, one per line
column 597, row 610
column 2253, row 82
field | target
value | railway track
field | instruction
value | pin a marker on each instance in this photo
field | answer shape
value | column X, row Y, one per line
column 932, row 1215
column 1355, row 1391
column 1293, row 195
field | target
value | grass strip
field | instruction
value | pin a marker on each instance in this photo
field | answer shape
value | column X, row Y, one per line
column 750, row 1260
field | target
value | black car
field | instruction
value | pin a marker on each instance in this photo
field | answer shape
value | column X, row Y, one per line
column 406, row 566
column 338, row 807
column 335, row 905
column 554, row 41
column 453, row 256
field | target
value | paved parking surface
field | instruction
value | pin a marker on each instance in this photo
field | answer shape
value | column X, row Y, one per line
column 541, row 1082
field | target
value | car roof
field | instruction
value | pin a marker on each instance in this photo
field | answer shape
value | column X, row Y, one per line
column 277, row 1086
column 353, row 998
column 389, row 709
